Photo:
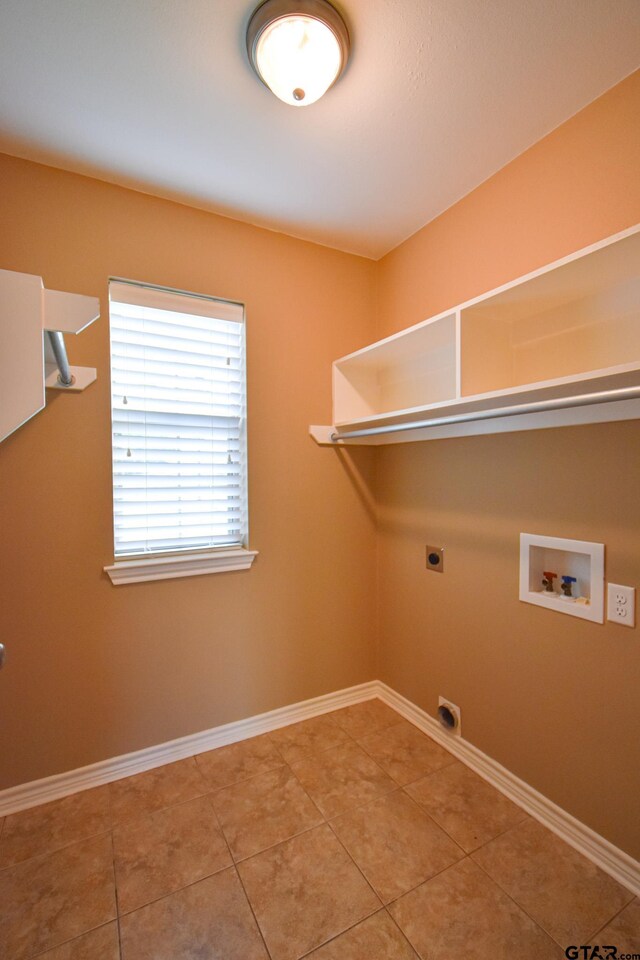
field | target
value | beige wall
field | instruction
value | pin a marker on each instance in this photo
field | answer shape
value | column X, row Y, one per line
column 95, row 670
column 552, row 698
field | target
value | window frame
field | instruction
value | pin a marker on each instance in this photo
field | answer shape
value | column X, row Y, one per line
column 190, row 561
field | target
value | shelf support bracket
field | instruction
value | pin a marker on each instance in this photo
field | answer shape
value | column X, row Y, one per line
column 33, row 322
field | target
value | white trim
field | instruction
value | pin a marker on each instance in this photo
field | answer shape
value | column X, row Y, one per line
column 586, row 841
column 26, row 795
column 177, row 301
column 186, row 565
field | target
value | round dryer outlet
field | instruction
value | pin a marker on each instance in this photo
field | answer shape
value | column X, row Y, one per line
column 449, row 716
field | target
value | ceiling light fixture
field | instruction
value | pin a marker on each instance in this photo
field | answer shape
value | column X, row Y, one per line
column 298, row 48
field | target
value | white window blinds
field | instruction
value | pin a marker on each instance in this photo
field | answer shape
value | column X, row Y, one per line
column 178, row 415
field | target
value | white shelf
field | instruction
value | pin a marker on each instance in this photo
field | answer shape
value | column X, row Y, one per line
column 415, row 368
column 27, row 365
column 573, row 321
column 569, row 329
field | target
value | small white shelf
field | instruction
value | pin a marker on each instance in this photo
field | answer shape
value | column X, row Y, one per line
column 27, row 365
column 412, row 369
column 572, row 322
column 569, row 329
column 580, row 559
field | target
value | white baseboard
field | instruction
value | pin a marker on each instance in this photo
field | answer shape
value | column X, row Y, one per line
column 601, row 852
column 32, row 794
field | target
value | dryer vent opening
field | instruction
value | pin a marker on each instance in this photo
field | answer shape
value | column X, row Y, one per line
column 449, row 716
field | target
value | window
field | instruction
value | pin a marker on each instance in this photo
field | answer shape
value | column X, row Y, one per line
column 178, row 419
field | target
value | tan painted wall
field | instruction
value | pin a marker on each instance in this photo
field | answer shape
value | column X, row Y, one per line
column 552, row 698
column 95, row 670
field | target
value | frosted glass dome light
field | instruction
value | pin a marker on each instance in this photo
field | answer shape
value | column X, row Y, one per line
column 298, row 48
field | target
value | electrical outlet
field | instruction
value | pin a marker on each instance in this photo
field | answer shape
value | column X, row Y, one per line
column 621, row 604
column 435, row 558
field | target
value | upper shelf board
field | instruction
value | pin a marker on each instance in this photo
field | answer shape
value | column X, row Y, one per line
column 68, row 312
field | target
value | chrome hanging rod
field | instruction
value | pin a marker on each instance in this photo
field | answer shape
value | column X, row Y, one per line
column 56, row 339
column 536, row 406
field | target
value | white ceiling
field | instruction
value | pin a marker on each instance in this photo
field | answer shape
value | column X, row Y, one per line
column 438, row 95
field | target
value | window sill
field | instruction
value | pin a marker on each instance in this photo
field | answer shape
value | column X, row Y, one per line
column 188, row 565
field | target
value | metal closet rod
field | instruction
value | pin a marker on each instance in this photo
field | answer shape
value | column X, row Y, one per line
column 56, row 339
column 538, row 406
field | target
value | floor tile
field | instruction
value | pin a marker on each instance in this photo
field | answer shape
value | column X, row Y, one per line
column 156, row 789
column 210, row 920
column 310, row 736
column 54, row 825
column 342, row 778
column 462, row 913
column 623, row 932
column 405, row 753
column 563, row 891
column 471, row 811
column 304, row 892
column 363, row 719
column 264, row 810
column 396, row 844
column 162, row 852
column 47, row 900
column 100, row 944
column 238, row 761
column 376, row 938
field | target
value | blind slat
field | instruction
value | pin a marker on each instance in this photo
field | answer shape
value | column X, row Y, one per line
column 179, row 455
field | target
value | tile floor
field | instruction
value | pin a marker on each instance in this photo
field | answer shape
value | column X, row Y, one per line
column 351, row 836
